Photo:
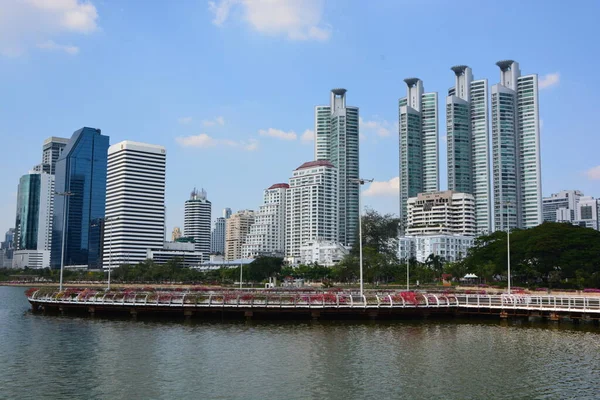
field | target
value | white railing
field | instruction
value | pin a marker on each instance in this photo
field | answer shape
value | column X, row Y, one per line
column 329, row 301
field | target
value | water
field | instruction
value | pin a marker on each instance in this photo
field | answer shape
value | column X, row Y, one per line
column 56, row 357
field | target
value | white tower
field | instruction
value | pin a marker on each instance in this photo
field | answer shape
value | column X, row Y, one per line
column 135, row 202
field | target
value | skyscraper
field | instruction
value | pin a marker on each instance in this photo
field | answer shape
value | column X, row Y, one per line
column 238, row 226
column 197, row 218
column 311, row 206
column 337, row 141
column 468, row 143
column 217, row 240
column 516, row 149
column 135, row 202
column 53, row 147
column 81, row 192
column 419, row 148
column 267, row 234
column 33, row 226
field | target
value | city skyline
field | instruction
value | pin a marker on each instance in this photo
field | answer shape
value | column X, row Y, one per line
column 244, row 120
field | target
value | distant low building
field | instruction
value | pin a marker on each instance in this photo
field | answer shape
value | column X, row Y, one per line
column 218, row 264
column 449, row 247
column 322, row 252
column 183, row 251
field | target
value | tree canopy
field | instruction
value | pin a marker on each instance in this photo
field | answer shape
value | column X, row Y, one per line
column 555, row 254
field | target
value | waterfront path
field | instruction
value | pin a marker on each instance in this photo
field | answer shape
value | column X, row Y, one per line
column 372, row 304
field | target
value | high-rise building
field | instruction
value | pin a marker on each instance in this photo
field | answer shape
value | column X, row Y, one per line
column 311, row 206
column 176, row 234
column 561, row 206
column 7, row 249
column 53, row 148
column 237, row 229
column 135, row 202
column 196, row 222
column 337, row 141
column 468, row 143
column 267, row 234
column 33, row 226
column 516, row 149
column 217, row 240
column 588, row 212
column 81, row 192
column 446, row 212
column 419, row 147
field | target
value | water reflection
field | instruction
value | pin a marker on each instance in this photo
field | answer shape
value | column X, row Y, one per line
column 66, row 357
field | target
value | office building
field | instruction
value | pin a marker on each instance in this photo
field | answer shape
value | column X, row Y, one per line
column 561, row 206
column 588, row 211
column 311, row 207
column 516, row 149
column 33, row 226
column 267, row 234
column 196, row 222
column 217, row 240
column 445, row 212
column 7, row 249
column 337, row 141
column 135, row 202
column 468, row 143
column 184, row 253
column 237, row 229
column 419, row 147
column 53, row 148
column 80, row 202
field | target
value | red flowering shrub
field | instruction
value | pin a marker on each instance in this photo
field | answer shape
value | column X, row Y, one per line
column 29, row 292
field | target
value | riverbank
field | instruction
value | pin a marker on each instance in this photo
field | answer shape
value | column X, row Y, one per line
column 180, row 286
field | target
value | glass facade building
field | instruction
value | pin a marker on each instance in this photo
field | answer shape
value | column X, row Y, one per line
column 337, row 141
column 81, row 173
column 468, row 142
column 419, row 148
column 516, row 149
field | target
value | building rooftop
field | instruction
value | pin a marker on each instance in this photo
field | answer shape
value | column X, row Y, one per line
column 317, row 163
column 504, row 64
column 279, row 186
column 411, row 81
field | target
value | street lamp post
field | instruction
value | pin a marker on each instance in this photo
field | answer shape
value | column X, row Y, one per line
column 360, row 182
column 508, row 244
column 64, row 229
column 241, row 270
column 408, row 273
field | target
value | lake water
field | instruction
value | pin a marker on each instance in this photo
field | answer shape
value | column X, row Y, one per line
column 55, row 357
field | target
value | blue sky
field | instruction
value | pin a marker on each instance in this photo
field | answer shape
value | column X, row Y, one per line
column 229, row 87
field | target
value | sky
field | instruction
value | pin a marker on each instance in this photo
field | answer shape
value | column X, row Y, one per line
column 229, row 86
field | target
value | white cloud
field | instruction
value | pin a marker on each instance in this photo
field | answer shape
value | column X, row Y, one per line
column 387, row 188
column 212, row 122
column 27, row 23
column 184, row 120
column 278, row 133
column 549, row 80
column 296, row 19
column 308, row 136
column 593, row 173
column 380, row 128
column 53, row 46
column 204, row 141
